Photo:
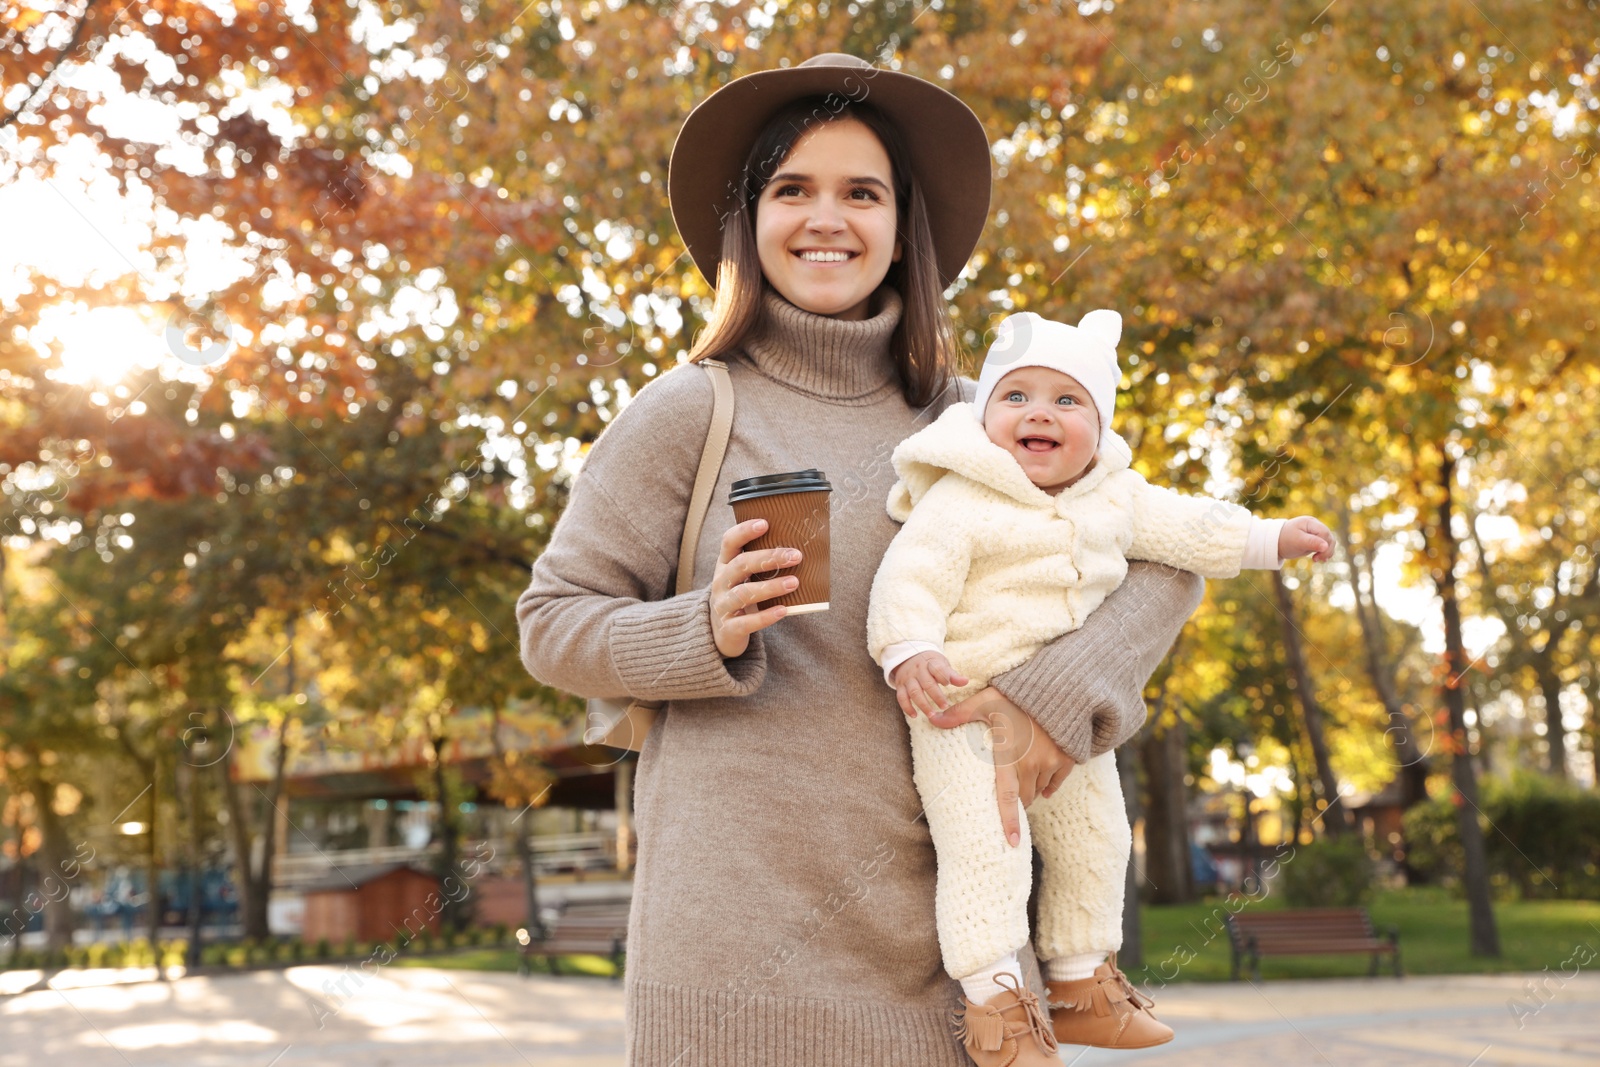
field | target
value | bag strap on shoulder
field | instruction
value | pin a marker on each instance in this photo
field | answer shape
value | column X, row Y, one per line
column 624, row 725
column 705, row 479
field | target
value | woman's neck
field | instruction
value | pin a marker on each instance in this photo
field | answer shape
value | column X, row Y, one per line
column 833, row 358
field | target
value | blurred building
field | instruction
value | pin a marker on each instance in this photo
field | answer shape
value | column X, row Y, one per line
column 359, row 803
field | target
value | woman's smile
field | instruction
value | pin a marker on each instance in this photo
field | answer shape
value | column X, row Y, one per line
column 823, row 257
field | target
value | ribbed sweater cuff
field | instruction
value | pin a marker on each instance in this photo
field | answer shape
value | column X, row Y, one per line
column 664, row 650
column 1063, row 703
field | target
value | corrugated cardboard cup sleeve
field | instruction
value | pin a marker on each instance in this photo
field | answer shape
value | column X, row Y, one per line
column 794, row 520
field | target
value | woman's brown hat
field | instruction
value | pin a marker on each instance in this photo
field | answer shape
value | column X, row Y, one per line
column 949, row 151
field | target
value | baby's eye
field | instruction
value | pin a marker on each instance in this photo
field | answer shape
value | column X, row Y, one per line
column 1015, row 397
column 1068, row 400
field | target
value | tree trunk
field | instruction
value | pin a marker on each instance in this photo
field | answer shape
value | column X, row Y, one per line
column 1555, row 733
column 1562, row 613
column 453, row 915
column 51, row 860
column 1302, row 795
column 269, row 847
column 241, row 829
column 150, row 767
column 1413, row 762
column 255, row 880
column 153, row 860
column 195, row 857
column 530, row 882
column 16, row 912
column 1589, row 683
column 1338, row 817
column 521, row 845
column 1484, row 937
column 1162, row 749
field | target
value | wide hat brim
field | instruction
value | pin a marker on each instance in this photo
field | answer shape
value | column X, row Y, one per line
column 948, row 148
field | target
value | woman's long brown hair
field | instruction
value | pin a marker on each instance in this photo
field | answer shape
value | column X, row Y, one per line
column 923, row 344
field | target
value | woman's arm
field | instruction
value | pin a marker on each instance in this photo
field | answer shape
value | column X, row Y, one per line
column 595, row 619
column 1086, row 688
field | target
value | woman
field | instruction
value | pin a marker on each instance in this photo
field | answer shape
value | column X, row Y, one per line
column 783, row 903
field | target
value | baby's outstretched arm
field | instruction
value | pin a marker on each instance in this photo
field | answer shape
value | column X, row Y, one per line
column 919, row 683
column 1305, row 536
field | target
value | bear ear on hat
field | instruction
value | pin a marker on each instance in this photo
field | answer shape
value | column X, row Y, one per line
column 1103, row 325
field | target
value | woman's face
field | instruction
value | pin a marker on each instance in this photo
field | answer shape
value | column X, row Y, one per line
column 826, row 222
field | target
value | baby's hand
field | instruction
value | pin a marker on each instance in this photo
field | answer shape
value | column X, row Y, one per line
column 919, row 683
column 1305, row 536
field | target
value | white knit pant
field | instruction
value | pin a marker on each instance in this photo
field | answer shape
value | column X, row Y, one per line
column 981, row 906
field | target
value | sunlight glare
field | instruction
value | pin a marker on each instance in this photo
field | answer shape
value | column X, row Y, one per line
column 100, row 345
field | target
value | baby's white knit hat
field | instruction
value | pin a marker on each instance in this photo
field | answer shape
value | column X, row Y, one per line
column 1087, row 352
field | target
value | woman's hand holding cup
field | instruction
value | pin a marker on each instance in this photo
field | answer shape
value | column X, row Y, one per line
column 734, row 597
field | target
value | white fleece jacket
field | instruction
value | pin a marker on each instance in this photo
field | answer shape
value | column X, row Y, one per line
column 989, row 567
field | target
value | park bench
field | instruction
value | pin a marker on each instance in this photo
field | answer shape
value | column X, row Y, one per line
column 597, row 928
column 1308, row 932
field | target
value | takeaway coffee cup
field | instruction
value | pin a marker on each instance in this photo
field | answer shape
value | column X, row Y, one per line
column 795, row 506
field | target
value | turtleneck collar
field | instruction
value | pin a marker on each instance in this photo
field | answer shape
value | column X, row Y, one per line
column 835, row 359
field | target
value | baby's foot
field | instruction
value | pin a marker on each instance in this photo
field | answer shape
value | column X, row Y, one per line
column 1009, row 1029
column 1104, row 1011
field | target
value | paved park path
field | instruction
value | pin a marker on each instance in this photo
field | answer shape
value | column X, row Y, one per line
column 421, row 1018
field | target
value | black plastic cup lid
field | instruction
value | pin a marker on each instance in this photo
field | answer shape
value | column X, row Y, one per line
column 807, row 481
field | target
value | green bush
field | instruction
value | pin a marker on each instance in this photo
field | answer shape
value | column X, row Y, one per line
column 501, row 931
column 1433, row 847
column 323, row 949
column 1541, row 838
column 1333, row 873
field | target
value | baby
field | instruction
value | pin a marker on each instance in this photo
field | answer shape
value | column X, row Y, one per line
column 1020, row 515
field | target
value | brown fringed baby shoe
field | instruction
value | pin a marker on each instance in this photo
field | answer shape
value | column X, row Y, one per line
column 1104, row 1011
column 1009, row 1029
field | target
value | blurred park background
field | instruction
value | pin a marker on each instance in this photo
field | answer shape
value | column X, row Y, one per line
column 310, row 311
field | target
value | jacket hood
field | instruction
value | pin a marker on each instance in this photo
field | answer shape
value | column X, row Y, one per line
column 956, row 443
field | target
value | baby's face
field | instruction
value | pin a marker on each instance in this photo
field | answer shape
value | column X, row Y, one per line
column 1048, row 423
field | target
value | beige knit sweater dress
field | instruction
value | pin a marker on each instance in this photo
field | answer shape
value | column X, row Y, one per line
column 784, row 894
